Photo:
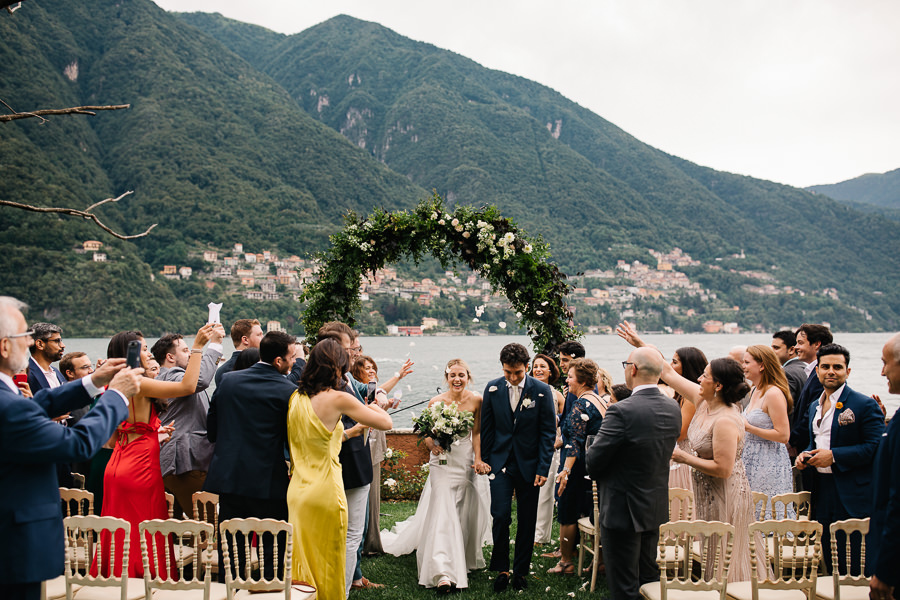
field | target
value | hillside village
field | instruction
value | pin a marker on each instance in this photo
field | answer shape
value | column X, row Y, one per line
column 264, row 276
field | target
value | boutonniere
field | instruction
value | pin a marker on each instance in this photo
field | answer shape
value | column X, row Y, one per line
column 527, row 403
column 493, row 388
column 846, row 417
column 839, row 405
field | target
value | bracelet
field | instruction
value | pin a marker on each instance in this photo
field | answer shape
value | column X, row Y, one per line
column 567, row 470
column 346, row 437
column 196, row 351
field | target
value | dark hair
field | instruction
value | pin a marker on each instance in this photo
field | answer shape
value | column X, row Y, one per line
column 787, row 336
column 551, row 364
column 693, row 361
column 247, row 358
column 620, row 391
column 241, row 328
column 274, row 344
column 118, row 345
column 571, row 348
column 325, row 368
column 359, row 366
column 816, row 333
column 65, row 363
column 164, row 345
column 729, row 374
column 514, row 354
column 830, row 349
column 42, row 331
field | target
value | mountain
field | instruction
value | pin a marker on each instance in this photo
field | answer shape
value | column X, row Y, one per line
column 237, row 134
column 877, row 189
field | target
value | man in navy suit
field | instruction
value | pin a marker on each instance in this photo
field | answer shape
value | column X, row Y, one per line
column 518, row 428
column 30, row 446
column 48, row 348
column 884, row 534
column 845, row 429
column 247, row 422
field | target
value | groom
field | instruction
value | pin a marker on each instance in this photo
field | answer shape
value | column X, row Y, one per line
column 518, row 428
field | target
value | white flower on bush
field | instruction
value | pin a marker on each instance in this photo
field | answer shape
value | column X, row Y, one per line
column 454, row 222
column 368, row 225
column 442, row 222
column 466, row 234
column 364, row 247
column 527, row 249
column 425, row 467
column 390, row 482
column 518, row 315
column 510, row 237
column 539, row 312
column 458, row 228
column 388, row 453
column 434, row 216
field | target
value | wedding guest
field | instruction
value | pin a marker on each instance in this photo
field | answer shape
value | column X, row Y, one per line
column 620, row 391
column 688, row 362
column 572, row 483
column 245, row 333
column 452, row 520
column 152, row 370
column 316, row 487
column 364, row 370
column 884, row 546
column 543, row 368
column 766, row 423
column 247, row 358
column 629, row 460
column 716, row 434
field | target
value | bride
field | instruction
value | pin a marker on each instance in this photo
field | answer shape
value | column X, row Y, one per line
column 452, row 521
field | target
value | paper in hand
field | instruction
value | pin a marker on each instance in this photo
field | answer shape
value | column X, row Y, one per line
column 214, row 312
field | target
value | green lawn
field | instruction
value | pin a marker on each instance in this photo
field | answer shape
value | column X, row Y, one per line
column 398, row 574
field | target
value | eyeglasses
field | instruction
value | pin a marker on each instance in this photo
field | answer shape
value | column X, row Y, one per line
column 625, row 364
column 28, row 333
column 56, row 341
column 356, row 349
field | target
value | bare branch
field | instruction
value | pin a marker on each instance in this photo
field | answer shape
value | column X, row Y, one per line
column 84, row 214
column 75, row 110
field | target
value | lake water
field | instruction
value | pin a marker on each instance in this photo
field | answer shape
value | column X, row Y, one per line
column 431, row 354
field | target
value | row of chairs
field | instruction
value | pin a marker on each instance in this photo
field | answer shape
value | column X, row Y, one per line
column 193, row 544
column 794, row 579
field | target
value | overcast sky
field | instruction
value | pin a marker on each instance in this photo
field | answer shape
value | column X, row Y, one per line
column 796, row 91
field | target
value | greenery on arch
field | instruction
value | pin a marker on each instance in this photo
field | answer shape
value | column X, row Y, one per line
column 490, row 244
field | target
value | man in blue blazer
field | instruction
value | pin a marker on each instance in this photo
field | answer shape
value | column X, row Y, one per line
column 31, row 445
column 810, row 337
column 247, row 422
column 518, row 428
column 845, row 429
column 884, row 534
column 47, row 349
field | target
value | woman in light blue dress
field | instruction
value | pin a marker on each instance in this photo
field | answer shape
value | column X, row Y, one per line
column 766, row 423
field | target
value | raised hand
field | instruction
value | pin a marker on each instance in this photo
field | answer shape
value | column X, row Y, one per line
column 127, row 381
column 627, row 332
column 105, row 372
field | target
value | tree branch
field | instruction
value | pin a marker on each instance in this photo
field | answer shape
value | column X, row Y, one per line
column 84, row 214
column 75, row 110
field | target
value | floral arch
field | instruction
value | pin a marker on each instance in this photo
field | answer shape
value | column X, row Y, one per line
column 490, row 244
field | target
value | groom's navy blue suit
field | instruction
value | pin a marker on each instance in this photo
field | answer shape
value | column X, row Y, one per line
column 518, row 446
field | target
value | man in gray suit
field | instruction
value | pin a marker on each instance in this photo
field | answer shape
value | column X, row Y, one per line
column 629, row 460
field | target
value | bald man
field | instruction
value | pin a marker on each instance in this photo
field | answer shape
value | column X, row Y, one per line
column 629, row 460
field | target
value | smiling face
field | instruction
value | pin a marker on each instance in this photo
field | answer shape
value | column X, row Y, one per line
column 457, row 377
column 890, row 359
column 574, row 385
column 781, row 350
column 708, row 385
column 806, row 351
column 514, row 374
column 676, row 363
column 832, row 371
column 371, row 371
column 752, row 369
column 540, row 370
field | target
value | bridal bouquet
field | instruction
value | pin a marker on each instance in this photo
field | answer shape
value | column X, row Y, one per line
column 443, row 423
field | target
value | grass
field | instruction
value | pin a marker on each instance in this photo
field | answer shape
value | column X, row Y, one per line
column 400, row 579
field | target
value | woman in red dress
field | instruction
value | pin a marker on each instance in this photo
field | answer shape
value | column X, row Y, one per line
column 132, row 483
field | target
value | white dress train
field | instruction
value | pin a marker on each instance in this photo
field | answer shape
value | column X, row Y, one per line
column 452, row 522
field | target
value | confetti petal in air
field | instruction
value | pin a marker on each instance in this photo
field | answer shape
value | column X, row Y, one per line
column 502, row 324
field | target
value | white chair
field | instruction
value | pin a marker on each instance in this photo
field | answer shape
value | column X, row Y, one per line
column 846, row 587
column 236, row 536
column 677, row 583
column 793, row 579
column 157, row 536
column 206, row 509
column 78, row 503
column 589, row 540
column 681, row 508
column 799, row 501
column 760, row 506
column 81, row 531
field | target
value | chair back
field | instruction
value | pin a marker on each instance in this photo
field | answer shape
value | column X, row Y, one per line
column 170, row 504
column 849, row 527
column 596, row 505
column 681, row 504
column 716, row 543
column 81, row 533
column 206, row 507
column 799, row 501
column 794, row 552
column 78, row 480
column 157, row 538
column 760, row 506
column 77, row 502
column 237, row 535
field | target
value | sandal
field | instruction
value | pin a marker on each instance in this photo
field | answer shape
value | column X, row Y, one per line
column 554, row 554
column 562, row 568
column 445, row 586
column 364, row 583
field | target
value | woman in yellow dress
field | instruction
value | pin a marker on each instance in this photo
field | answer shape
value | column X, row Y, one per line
column 316, row 502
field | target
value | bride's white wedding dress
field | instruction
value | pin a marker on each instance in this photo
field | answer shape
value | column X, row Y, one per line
column 452, row 521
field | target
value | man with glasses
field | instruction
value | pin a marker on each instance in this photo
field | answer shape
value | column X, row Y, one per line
column 47, row 349
column 31, row 444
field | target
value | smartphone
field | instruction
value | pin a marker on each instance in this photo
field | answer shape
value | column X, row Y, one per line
column 133, row 358
column 20, row 378
column 370, row 396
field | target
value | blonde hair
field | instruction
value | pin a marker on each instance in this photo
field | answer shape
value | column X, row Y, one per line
column 457, row 361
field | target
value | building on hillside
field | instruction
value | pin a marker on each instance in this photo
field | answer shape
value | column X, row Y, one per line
column 210, row 255
column 409, row 330
column 91, row 245
column 274, row 326
column 99, row 256
column 429, row 323
column 185, row 272
column 238, row 248
column 713, row 326
column 170, row 270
